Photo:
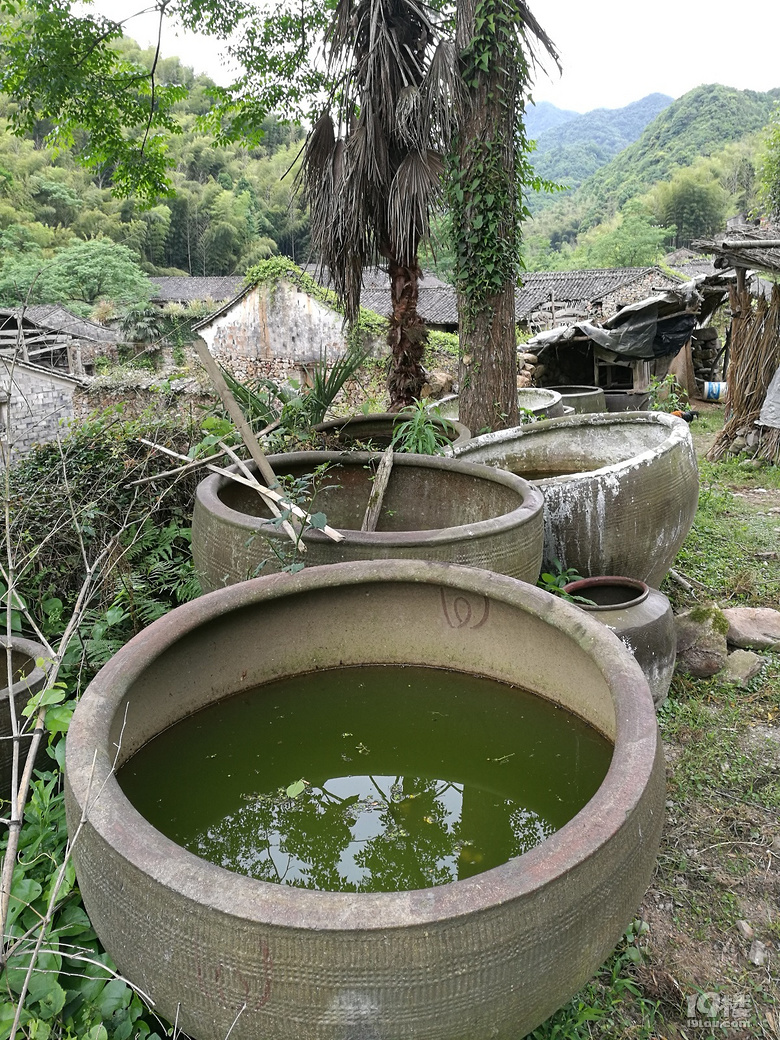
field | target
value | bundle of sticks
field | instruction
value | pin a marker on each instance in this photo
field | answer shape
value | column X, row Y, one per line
column 755, row 356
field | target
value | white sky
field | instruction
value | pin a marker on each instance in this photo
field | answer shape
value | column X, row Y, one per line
column 613, row 52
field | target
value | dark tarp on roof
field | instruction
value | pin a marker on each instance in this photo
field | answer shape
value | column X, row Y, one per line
column 656, row 327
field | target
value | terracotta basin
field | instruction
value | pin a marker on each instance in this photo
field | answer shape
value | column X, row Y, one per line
column 493, row 955
column 28, row 678
column 434, row 509
column 620, row 490
column 378, row 429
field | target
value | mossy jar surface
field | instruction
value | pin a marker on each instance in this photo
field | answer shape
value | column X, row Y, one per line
column 433, row 509
column 620, row 490
column 490, row 955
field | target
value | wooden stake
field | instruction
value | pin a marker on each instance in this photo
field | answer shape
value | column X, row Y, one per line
column 235, row 413
column 378, row 489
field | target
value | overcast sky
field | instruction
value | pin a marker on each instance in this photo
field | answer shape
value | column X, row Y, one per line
column 613, row 52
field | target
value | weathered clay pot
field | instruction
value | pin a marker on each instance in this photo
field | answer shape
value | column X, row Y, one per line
column 543, row 401
column 378, row 429
column 582, row 398
column 493, row 955
column 627, row 400
column 620, row 490
column 641, row 617
column 434, row 509
column 29, row 678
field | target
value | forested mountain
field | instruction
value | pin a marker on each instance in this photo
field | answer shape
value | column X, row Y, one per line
column 571, row 151
column 698, row 124
column 692, row 167
column 231, row 205
column 543, row 116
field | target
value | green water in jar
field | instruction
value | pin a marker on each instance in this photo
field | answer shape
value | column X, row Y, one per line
column 369, row 779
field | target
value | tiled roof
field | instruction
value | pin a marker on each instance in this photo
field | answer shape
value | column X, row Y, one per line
column 190, row 289
column 572, row 287
column 55, row 318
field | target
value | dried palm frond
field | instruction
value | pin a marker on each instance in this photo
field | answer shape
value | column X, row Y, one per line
column 537, row 34
column 415, row 188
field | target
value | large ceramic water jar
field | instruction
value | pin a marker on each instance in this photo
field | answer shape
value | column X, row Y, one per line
column 490, row 955
column 582, row 398
column 542, row 401
column 620, row 490
column 376, row 429
column 29, row 677
column 434, row 509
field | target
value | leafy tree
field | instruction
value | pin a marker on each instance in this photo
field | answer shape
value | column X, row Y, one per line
column 78, row 276
column 62, row 68
column 769, row 169
column 693, row 201
column 633, row 240
column 493, row 42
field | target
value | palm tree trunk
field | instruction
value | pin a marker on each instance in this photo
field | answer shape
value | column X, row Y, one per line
column 407, row 336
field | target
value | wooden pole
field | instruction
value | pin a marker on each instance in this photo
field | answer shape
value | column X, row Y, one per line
column 378, row 489
column 235, row 413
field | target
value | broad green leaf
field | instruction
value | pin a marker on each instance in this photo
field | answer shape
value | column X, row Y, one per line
column 58, row 718
column 50, row 996
column 23, row 892
column 116, row 994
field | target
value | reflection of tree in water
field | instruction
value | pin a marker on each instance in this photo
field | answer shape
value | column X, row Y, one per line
column 528, row 830
column 416, row 841
column 408, row 833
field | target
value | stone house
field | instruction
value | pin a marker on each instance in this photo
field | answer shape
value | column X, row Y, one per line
column 188, row 289
column 279, row 328
column 36, row 401
column 46, row 354
column 551, row 298
column 51, row 336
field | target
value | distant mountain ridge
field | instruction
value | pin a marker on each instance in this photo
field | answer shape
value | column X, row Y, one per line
column 543, row 116
column 700, row 123
column 575, row 148
column 709, row 121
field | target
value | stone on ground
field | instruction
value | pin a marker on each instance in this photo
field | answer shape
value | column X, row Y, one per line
column 742, row 665
column 701, row 641
column 754, row 628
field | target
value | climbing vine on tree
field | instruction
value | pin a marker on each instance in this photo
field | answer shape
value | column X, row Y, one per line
column 489, row 170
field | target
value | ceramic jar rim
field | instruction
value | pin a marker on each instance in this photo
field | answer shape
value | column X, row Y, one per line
column 640, row 590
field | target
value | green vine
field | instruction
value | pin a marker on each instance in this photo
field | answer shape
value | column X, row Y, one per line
column 485, row 194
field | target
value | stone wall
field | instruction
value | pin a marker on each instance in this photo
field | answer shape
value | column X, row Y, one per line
column 40, row 400
column 275, row 331
column 186, row 398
